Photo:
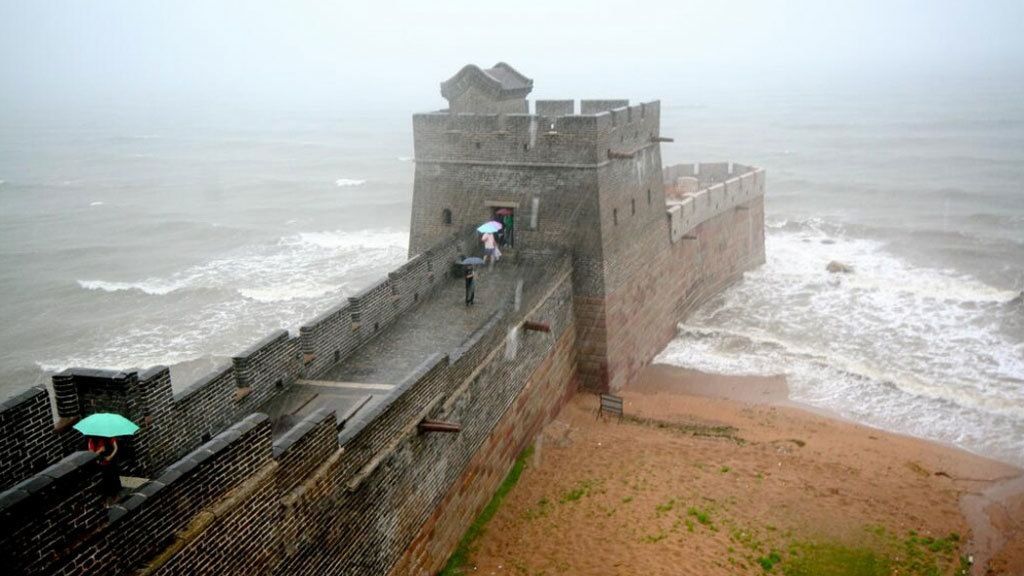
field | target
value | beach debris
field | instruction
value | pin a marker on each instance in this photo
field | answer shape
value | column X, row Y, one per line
column 837, row 267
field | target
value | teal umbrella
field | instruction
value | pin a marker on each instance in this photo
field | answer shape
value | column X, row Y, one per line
column 106, row 425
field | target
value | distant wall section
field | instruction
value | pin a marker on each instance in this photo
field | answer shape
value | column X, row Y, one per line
column 706, row 242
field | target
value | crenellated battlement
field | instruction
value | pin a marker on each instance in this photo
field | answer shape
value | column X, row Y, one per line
column 550, row 137
column 696, row 193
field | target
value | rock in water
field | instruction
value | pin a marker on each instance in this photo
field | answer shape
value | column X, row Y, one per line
column 837, row 267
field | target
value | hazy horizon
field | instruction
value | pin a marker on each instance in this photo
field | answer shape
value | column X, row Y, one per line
column 73, row 56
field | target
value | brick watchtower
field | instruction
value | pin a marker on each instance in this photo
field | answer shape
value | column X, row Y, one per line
column 590, row 183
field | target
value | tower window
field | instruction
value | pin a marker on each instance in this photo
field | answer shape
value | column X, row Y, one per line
column 615, row 216
column 632, row 207
column 648, row 196
column 446, row 217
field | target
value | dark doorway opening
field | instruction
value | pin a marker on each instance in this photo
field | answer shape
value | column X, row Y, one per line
column 505, row 215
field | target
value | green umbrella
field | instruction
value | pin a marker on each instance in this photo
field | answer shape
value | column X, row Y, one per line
column 106, row 425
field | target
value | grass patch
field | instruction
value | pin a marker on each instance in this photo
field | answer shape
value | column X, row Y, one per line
column 830, row 559
column 702, row 516
column 540, row 511
column 914, row 555
column 457, row 563
column 581, row 489
column 652, row 538
column 769, row 561
column 666, row 507
column 724, row 469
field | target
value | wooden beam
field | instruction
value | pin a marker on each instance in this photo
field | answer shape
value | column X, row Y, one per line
column 536, row 326
column 617, row 154
column 689, row 237
column 438, row 426
column 662, row 139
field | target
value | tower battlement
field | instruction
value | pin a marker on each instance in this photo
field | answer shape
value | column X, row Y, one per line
column 549, row 137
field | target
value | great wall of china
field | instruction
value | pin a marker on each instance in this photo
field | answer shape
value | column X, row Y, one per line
column 316, row 452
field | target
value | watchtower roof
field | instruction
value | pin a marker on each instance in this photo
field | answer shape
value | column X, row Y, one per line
column 501, row 82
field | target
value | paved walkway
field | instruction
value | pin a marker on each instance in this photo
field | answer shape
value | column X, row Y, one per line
column 438, row 325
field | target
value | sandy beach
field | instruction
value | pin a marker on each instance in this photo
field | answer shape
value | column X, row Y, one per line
column 724, row 475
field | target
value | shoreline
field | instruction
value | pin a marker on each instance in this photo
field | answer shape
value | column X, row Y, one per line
column 774, row 390
column 719, row 475
column 986, row 510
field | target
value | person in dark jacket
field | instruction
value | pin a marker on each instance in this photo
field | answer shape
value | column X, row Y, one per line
column 470, row 285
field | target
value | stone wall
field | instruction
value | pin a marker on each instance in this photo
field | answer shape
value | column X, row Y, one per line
column 173, row 424
column 465, row 160
column 723, row 238
column 569, row 178
column 314, row 501
column 28, row 442
column 335, row 334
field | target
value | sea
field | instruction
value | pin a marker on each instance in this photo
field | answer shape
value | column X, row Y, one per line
column 136, row 236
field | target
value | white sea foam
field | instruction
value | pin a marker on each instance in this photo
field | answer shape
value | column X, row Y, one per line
column 914, row 349
column 344, row 182
column 152, row 286
column 405, row 158
column 97, row 203
column 287, row 292
column 225, row 304
column 385, row 239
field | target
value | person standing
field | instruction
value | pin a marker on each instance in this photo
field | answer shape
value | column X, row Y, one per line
column 490, row 245
column 106, row 448
column 470, row 285
column 509, row 229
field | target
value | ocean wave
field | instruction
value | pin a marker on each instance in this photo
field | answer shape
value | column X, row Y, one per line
column 287, row 292
column 924, row 351
column 227, row 303
column 384, row 239
column 753, row 353
column 263, row 272
column 152, row 286
column 344, row 182
column 405, row 158
column 97, row 203
column 807, row 245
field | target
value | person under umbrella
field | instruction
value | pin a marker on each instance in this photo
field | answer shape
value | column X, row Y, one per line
column 468, row 264
column 101, row 431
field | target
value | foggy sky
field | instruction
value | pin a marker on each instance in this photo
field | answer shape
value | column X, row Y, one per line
column 301, row 52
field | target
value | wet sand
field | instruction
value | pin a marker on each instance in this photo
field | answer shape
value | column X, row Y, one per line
column 712, row 474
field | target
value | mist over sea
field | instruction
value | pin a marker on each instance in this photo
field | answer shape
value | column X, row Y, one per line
column 133, row 239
